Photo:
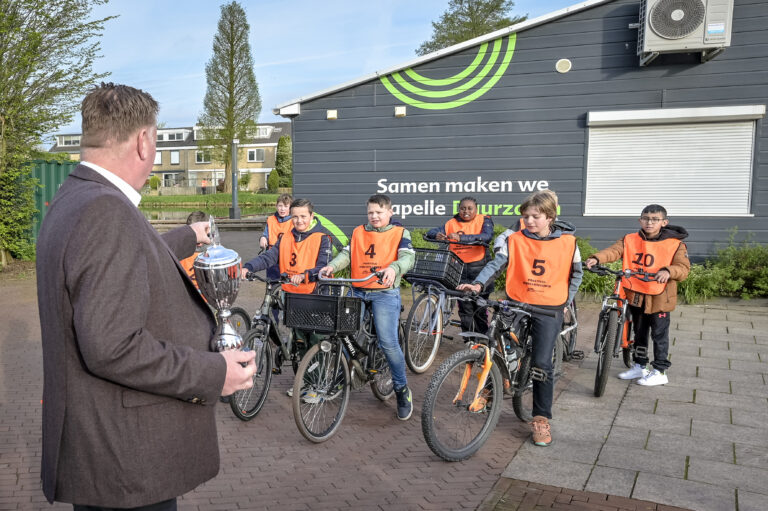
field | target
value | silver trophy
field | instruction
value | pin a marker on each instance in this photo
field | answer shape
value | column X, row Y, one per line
column 217, row 271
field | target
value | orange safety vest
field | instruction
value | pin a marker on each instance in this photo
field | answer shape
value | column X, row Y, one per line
column 467, row 253
column 298, row 257
column 276, row 229
column 372, row 249
column 539, row 271
column 647, row 255
column 188, row 264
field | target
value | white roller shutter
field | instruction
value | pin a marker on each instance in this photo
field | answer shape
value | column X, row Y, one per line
column 697, row 169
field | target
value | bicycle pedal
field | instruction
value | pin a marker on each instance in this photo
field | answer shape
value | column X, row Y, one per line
column 641, row 351
column 454, row 322
column 577, row 355
column 277, row 370
column 538, row 374
column 448, row 337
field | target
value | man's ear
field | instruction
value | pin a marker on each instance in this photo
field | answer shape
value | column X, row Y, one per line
column 143, row 143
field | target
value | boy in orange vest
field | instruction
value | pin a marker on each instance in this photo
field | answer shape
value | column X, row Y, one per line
column 278, row 224
column 468, row 226
column 543, row 269
column 656, row 248
column 387, row 247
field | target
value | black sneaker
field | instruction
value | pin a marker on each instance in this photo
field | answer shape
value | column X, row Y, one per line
column 404, row 403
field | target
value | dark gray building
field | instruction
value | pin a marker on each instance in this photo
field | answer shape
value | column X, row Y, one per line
column 564, row 101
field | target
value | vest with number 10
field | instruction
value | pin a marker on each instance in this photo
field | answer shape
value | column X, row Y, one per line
column 276, row 229
column 467, row 253
column 539, row 271
column 650, row 256
column 373, row 249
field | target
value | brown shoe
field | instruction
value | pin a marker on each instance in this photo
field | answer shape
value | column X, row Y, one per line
column 541, row 435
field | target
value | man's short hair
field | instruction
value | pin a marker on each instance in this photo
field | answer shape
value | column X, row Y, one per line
column 112, row 113
column 285, row 198
column 544, row 200
column 654, row 208
column 197, row 216
column 303, row 203
column 381, row 200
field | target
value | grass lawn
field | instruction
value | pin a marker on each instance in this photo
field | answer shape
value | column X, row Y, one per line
column 214, row 199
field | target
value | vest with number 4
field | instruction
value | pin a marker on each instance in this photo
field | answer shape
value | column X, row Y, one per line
column 650, row 256
column 276, row 229
column 467, row 253
column 298, row 257
column 539, row 271
column 373, row 249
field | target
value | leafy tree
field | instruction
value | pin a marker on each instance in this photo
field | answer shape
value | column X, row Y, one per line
column 284, row 161
column 245, row 181
column 232, row 103
column 47, row 50
column 467, row 19
column 273, row 181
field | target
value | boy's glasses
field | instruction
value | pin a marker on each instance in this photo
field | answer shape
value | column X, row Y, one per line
column 651, row 220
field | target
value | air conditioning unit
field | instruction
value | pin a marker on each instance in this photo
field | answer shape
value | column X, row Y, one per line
column 684, row 26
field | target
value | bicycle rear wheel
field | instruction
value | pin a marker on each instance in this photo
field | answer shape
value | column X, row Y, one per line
column 608, row 328
column 247, row 403
column 321, row 393
column 522, row 398
column 240, row 320
column 451, row 429
column 570, row 318
column 626, row 350
column 422, row 339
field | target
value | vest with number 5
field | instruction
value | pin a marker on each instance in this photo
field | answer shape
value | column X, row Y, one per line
column 373, row 249
column 298, row 257
column 539, row 271
column 650, row 256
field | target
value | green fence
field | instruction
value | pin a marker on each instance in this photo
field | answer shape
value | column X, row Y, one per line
column 50, row 174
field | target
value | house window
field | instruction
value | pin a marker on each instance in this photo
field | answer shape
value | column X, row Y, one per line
column 170, row 179
column 694, row 161
column 255, row 155
column 158, row 158
column 70, row 140
column 175, row 136
column 260, row 131
column 160, row 137
column 174, row 157
column 202, row 157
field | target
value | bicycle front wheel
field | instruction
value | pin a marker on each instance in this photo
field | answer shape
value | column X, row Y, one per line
column 381, row 384
column 321, row 393
column 458, row 415
column 608, row 327
column 423, row 329
column 247, row 403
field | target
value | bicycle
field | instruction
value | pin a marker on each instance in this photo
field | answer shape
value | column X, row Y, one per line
column 240, row 320
column 435, row 270
column 566, row 340
column 610, row 325
column 324, row 379
column 247, row 403
column 460, row 412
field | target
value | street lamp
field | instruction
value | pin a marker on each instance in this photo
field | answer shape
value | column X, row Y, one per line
column 234, row 211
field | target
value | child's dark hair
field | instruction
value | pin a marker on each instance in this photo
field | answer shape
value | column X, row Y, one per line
column 654, row 208
column 381, row 200
column 197, row 216
column 285, row 198
column 303, row 203
column 468, row 199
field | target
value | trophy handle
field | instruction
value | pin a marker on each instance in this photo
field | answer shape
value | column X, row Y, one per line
column 213, row 231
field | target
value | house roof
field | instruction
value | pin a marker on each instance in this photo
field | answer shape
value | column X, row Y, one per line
column 288, row 109
column 280, row 129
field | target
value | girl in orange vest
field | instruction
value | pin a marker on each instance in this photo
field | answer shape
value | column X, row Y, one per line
column 657, row 248
column 278, row 224
column 543, row 269
column 468, row 226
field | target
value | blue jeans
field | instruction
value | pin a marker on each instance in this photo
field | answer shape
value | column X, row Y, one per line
column 386, row 317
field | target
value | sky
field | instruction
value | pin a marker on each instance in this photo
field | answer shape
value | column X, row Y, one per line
column 298, row 46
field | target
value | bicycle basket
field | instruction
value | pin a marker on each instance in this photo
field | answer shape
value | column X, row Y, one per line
column 327, row 314
column 442, row 266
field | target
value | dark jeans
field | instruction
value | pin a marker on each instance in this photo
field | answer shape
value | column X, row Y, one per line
column 544, row 331
column 166, row 505
column 658, row 325
column 473, row 318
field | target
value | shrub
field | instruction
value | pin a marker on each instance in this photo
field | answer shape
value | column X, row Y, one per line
column 154, row 182
column 742, row 268
column 245, row 180
column 273, row 180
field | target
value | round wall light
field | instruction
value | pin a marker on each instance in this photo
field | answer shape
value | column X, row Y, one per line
column 563, row 65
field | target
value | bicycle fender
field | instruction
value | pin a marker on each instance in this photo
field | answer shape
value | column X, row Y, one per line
column 478, row 403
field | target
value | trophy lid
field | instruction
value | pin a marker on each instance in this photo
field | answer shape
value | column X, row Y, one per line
column 216, row 256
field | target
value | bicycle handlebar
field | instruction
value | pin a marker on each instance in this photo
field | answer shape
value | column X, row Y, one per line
column 477, row 243
column 334, row 280
column 638, row 274
column 252, row 275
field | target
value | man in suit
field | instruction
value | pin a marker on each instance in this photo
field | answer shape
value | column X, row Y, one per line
column 130, row 378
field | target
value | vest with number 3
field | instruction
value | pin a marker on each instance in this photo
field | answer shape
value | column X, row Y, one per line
column 467, row 253
column 373, row 249
column 539, row 271
column 650, row 256
column 298, row 257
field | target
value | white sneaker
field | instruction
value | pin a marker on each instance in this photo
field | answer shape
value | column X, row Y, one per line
column 637, row 371
column 289, row 392
column 655, row 377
